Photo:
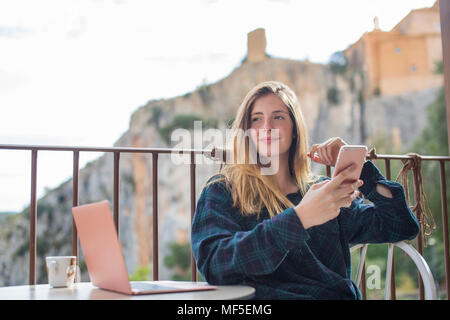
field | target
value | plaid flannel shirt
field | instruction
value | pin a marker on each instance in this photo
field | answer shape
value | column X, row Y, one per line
column 282, row 260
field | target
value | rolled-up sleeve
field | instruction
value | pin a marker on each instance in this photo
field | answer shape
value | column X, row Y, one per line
column 225, row 253
column 386, row 219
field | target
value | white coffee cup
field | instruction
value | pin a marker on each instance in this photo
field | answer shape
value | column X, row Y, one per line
column 61, row 271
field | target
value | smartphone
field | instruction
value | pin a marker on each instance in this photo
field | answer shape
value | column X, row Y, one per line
column 349, row 154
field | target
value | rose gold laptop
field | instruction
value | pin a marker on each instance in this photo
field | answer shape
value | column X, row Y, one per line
column 103, row 255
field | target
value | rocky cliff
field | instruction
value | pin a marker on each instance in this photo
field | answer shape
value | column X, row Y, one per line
column 331, row 102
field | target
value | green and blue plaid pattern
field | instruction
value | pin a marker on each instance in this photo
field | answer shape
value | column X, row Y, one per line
column 282, row 260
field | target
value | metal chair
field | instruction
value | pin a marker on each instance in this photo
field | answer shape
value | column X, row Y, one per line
column 419, row 261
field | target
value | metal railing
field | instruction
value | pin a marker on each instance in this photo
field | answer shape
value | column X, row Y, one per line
column 117, row 151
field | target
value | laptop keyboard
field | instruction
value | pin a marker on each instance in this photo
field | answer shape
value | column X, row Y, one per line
column 149, row 286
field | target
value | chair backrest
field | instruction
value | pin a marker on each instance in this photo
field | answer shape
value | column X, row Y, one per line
column 419, row 261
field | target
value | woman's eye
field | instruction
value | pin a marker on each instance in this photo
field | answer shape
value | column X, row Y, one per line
column 279, row 117
column 255, row 119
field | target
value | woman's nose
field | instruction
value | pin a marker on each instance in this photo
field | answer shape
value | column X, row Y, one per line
column 267, row 125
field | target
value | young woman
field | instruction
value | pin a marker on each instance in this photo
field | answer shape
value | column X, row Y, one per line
column 287, row 234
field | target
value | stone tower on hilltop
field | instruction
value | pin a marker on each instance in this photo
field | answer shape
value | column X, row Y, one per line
column 256, row 45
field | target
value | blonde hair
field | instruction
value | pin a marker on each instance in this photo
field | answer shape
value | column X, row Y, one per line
column 250, row 190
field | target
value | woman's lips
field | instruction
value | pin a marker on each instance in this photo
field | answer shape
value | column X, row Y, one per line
column 268, row 140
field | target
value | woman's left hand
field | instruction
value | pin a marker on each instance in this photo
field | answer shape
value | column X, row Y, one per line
column 327, row 151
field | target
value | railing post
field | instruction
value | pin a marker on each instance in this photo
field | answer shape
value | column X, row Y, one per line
column 363, row 279
column 33, row 218
column 76, row 163
column 116, row 190
column 155, row 215
column 192, row 174
column 444, row 11
column 419, row 247
column 387, row 163
column 445, row 227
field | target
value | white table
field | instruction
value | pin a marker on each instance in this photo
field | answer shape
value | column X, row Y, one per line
column 86, row 291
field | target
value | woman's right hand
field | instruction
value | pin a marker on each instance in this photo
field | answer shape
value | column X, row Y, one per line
column 323, row 201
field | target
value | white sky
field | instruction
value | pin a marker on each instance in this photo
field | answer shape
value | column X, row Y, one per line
column 72, row 72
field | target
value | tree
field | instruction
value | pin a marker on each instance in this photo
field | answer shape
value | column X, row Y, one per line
column 179, row 259
column 338, row 62
column 433, row 138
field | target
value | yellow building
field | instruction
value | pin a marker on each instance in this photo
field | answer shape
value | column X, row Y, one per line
column 403, row 59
